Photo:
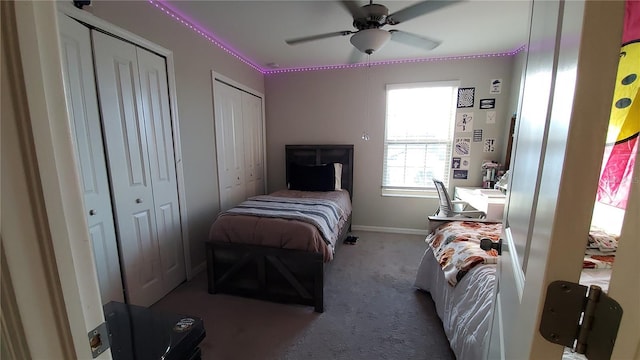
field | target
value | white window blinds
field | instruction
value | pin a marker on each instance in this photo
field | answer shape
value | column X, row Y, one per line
column 418, row 136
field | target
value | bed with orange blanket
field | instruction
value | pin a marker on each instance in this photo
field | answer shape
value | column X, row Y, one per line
column 461, row 278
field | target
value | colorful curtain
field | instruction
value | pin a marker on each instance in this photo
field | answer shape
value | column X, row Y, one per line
column 622, row 137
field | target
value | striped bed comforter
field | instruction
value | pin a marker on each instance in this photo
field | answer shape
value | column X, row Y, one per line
column 321, row 213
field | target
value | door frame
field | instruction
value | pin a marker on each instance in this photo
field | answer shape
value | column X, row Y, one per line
column 67, row 9
column 51, row 268
column 48, row 252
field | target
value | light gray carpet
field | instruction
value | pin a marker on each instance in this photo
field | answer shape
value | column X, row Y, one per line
column 372, row 311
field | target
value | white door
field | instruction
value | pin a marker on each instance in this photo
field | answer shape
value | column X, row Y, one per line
column 127, row 151
column 253, row 143
column 576, row 79
column 83, row 109
column 229, row 144
column 157, row 116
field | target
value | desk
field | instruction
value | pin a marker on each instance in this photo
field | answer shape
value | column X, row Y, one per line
column 488, row 200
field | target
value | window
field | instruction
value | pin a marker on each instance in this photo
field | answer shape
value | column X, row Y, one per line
column 419, row 137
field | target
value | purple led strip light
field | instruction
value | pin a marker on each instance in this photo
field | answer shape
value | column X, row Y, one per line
column 393, row 62
column 183, row 19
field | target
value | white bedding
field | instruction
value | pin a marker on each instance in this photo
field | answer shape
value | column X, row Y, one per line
column 598, row 277
column 465, row 310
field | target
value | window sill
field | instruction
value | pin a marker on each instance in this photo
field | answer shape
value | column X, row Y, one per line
column 426, row 194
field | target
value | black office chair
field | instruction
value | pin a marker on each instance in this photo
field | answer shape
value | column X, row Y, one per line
column 455, row 208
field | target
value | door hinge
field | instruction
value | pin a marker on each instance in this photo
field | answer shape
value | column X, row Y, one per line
column 99, row 340
column 586, row 323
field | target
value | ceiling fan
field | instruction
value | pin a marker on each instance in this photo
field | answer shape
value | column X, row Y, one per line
column 369, row 19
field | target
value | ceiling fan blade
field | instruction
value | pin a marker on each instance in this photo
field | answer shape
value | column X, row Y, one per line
column 414, row 40
column 418, row 9
column 354, row 8
column 355, row 56
column 318, row 37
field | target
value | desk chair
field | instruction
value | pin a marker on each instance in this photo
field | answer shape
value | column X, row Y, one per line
column 456, row 208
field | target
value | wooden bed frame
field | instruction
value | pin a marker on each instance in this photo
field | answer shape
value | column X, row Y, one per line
column 276, row 274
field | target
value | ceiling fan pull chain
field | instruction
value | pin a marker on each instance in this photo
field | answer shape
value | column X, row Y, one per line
column 368, row 90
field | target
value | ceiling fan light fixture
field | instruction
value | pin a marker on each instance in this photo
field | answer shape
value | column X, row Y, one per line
column 369, row 41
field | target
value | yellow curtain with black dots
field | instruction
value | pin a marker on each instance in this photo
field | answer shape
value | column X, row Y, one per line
column 624, row 125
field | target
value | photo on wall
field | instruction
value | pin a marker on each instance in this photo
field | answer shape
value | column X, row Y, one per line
column 487, row 103
column 491, row 117
column 489, row 145
column 460, row 174
column 477, row 135
column 455, row 163
column 466, row 97
column 462, row 147
column 464, row 162
column 464, row 122
column 496, row 86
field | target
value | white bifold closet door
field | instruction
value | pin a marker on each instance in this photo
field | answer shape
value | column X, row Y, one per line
column 157, row 115
column 134, row 103
column 253, row 143
column 82, row 106
column 229, row 145
column 239, row 143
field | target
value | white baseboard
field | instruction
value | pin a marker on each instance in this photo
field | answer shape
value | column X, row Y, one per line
column 389, row 230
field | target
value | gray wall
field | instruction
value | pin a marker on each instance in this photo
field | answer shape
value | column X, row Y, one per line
column 513, row 106
column 314, row 107
column 337, row 106
column 194, row 59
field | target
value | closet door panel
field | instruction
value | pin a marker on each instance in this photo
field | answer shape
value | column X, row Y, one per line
column 107, row 263
column 157, row 115
column 128, row 159
column 82, row 106
column 229, row 144
column 147, row 265
column 253, row 143
column 171, row 253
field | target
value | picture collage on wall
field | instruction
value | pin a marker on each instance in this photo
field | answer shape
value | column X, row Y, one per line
column 464, row 126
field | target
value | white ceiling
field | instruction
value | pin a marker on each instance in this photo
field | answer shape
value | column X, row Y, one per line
column 257, row 30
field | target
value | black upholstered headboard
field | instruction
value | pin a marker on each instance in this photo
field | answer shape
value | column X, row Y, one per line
column 323, row 154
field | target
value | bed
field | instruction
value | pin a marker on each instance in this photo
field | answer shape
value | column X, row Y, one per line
column 461, row 279
column 261, row 254
column 463, row 295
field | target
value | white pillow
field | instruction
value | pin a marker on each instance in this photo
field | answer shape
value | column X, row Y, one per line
column 338, row 171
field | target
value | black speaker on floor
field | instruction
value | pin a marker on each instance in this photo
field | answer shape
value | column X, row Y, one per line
column 139, row 333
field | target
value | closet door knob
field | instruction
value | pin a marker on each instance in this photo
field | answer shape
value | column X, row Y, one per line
column 92, row 212
column 138, row 201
